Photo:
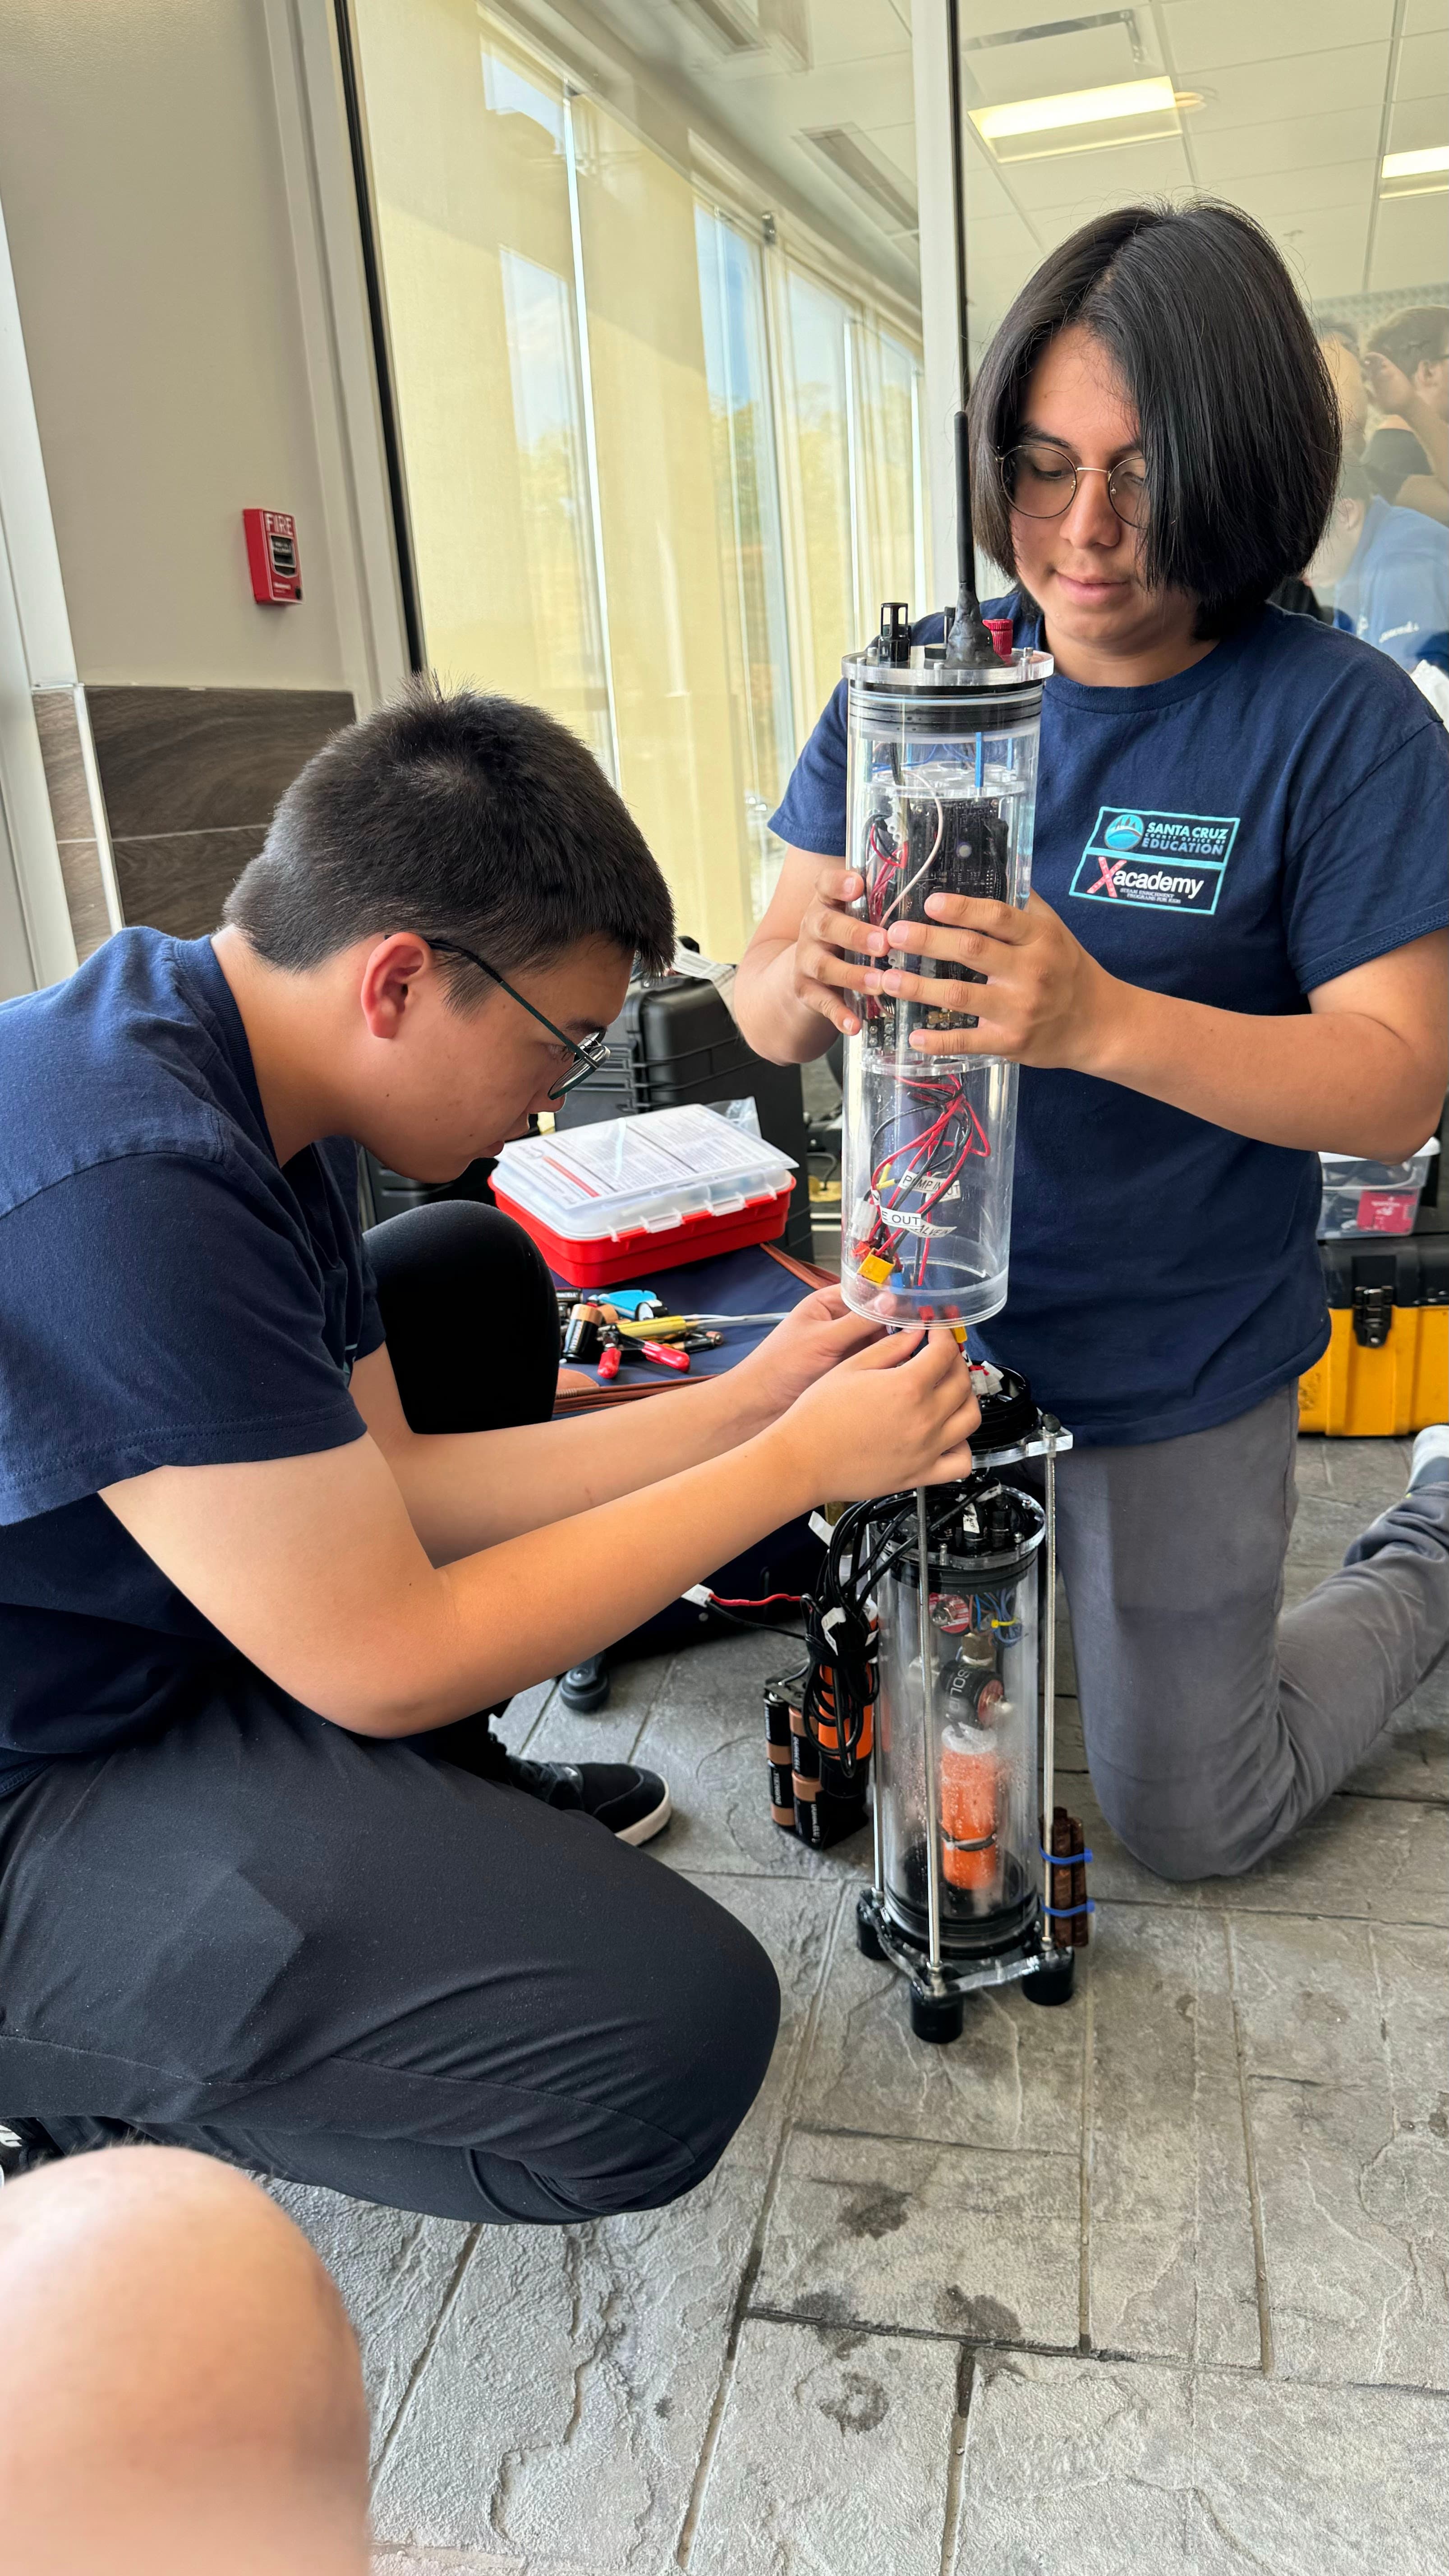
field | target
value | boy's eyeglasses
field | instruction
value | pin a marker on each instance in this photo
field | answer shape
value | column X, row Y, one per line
column 592, row 1053
column 1041, row 482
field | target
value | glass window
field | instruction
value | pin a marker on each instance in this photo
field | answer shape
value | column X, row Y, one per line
column 661, row 453
column 747, row 507
column 472, row 213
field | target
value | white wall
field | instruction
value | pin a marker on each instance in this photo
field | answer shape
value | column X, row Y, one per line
column 143, row 188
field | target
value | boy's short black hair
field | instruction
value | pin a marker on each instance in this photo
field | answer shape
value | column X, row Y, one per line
column 1235, row 406
column 461, row 817
column 1414, row 338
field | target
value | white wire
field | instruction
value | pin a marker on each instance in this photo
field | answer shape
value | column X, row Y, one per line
column 922, row 871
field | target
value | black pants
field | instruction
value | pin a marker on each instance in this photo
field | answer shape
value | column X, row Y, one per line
column 355, row 1962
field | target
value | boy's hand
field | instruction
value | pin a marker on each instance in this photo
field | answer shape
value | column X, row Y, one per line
column 897, row 1414
column 1045, row 1001
column 816, row 1338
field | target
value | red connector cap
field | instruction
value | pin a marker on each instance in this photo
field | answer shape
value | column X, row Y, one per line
column 665, row 1357
column 999, row 630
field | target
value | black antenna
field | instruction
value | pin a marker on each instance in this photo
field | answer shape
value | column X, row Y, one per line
column 967, row 641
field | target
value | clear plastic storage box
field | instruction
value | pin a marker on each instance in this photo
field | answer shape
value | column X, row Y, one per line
column 625, row 1195
column 1362, row 1197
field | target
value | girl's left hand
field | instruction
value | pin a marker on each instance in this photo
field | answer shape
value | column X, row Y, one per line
column 1044, row 1002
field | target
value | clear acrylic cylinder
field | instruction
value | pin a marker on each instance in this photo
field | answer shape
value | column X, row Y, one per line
column 971, row 1734
column 942, row 797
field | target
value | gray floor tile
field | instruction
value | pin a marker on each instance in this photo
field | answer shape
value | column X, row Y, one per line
column 566, row 2401
column 1371, row 1857
column 1172, row 2272
column 611, row 1733
column 394, row 2272
column 567, row 2395
column 1342, row 2028
column 522, row 1715
column 833, row 2457
column 1014, row 2078
column 1077, row 2468
column 876, row 2231
column 706, row 1733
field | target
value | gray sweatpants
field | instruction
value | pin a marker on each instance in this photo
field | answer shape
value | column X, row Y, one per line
column 1215, row 1721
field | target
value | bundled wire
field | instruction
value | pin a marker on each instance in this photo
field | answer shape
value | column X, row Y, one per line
column 839, row 1685
column 924, row 1166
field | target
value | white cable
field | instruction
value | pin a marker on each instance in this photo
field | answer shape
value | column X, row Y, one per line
column 922, row 871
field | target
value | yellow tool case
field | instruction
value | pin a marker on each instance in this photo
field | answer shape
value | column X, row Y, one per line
column 1386, row 1370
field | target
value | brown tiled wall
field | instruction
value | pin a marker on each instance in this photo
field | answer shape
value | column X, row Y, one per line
column 70, row 805
column 189, row 777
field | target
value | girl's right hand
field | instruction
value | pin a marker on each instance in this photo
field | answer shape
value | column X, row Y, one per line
column 834, row 949
column 894, row 1415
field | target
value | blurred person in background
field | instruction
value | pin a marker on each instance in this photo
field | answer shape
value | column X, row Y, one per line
column 1406, row 363
column 1339, row 349
column 1387, row 568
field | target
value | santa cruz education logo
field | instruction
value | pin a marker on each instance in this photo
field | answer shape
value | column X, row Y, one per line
column 1176, row 861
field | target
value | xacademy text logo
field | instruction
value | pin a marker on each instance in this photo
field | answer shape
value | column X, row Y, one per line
column 1171, row 861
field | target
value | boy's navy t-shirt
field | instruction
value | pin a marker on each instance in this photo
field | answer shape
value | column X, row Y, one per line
column 1238, row 835
column 169, row 1296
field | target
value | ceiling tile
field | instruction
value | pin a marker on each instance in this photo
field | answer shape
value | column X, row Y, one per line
column 1421, row 67
column 1417, row 123
column 1290, row 85
column 897, row 142
column 849, row 31
column 1089, row 181
column 1282, row 196
column 1409, row 245
column 1093, row 59
column 1206, row 33
column 1327, row 256
column 1427, row 18
column 1292, row 143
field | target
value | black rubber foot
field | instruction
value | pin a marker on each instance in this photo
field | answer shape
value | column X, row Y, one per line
column 938, row 2018
column 586, row 1686
column 867, row 1939
column 1051, row 1985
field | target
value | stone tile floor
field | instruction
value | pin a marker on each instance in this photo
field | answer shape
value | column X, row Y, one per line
column 1152, row 2284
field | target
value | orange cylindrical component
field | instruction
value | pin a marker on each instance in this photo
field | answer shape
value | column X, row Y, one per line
column 970, row 1786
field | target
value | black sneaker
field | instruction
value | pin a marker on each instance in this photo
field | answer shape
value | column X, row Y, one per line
column 635, row 1805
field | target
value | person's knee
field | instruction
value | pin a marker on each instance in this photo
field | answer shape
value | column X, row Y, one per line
column 706, row 2038
column 176, row 2365
column 1174, row 1843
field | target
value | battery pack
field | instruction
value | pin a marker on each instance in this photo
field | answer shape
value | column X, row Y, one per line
column 1386, row 1369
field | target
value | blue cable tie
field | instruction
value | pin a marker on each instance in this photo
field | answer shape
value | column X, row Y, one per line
column 1063, row 1860
column 1059, row 1913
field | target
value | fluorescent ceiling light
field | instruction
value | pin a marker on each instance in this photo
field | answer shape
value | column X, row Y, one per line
column 1416, row 165
column 1078, row 107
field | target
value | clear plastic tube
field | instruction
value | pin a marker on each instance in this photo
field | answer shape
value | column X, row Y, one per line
column 942, row 799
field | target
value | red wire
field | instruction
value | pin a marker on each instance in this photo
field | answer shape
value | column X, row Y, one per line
column 722, row 1602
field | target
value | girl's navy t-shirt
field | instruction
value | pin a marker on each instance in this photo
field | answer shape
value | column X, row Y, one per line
column 1238, row 835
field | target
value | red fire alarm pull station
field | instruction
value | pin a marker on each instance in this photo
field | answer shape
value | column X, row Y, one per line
column 272, row 554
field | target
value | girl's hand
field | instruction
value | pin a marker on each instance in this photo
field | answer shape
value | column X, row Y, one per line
column 1044, row 1002
column 831, row 949
column 897, row 1414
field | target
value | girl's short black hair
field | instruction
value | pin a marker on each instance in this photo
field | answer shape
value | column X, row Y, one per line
column 461, row 817
column 1235, row 407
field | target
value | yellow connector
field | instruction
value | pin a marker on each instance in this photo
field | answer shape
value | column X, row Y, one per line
column 876, row 1269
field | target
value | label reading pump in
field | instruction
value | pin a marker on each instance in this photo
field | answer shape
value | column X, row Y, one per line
column 272, row 557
